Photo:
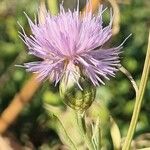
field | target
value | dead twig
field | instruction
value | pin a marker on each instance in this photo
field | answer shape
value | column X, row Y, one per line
column 17, row 103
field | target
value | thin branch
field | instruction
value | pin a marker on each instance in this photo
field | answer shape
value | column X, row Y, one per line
column 17, row 104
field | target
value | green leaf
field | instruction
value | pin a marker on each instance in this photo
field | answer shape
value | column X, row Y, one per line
column 115, row 134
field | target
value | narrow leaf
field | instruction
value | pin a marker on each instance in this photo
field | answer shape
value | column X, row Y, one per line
column 115, row 134
column 66, row 137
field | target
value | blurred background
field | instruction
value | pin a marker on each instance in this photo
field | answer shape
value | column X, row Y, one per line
column 35, row 128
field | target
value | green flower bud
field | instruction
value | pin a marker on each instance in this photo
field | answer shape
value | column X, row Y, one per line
column 78, row 98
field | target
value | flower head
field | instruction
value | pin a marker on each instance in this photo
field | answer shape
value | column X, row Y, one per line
column 68, row 44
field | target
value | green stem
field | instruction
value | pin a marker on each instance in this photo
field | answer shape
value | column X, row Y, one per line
column 138, row 101
column 82, row 127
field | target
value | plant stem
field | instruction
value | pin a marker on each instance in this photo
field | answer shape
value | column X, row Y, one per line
column 82, row 127
column 139, row 99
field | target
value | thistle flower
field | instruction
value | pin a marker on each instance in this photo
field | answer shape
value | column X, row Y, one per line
column 69, row 40
column 72, row 46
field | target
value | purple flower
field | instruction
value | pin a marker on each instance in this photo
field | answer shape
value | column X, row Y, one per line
column 69, row 41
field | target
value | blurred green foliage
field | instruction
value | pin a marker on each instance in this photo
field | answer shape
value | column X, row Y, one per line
column 118, row 96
